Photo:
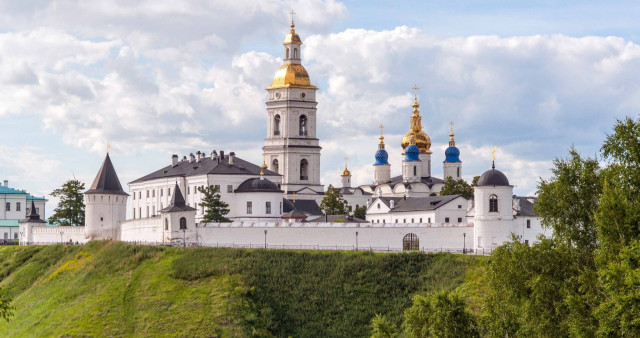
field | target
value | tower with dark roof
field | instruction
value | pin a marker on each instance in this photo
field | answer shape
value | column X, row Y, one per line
column 493, row 214
column 106, row 204
column 452, row 165
column 178, row 220
column 27, row 224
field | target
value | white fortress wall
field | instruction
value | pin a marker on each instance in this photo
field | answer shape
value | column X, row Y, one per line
column 431, row 236
column 58, row 234
column 142, row 230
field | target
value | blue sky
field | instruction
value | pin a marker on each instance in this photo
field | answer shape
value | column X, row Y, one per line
column 155, row 78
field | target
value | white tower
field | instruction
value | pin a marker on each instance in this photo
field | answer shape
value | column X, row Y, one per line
column 292, row 148
column 493, row 219
column 411, row 165
column 26, row 225
column 346, row 176
column 106, row 204
column 178, row 220
column 381, row 168
column 452, row 164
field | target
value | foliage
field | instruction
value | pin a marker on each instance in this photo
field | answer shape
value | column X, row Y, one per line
column 6, row 310
column 381, row 328
column 332, row 203
column 215, row 208
column 474, row 183
column 70, row 210
column 360, row 212
column 439, row 314
column 456, row 187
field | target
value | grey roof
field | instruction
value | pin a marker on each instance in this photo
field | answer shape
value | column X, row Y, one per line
column 422, row 203
column 218, row 166
column 429, row 181
column 351, row 191
column 386, row 200
column 294, row 214
column 33, row 216
column 258, row 185
column 106, row 182
column 493, row 177
column 177, row 202
column 307, row 207
column 526, row 207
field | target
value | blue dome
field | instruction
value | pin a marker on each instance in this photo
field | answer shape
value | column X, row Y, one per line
column 381, row 157
column 452, row 154
column 412, row 153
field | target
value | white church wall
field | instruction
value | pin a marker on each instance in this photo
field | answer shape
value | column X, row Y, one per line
column 142, row 230
column 57, row 234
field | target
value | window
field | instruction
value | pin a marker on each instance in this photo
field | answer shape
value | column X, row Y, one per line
column 404, row 220
column 7, row 207
column 139, row 194
column 276, row 125
column 188, row 190
column 153, row 193
column 458, row 172
column 280, row 207
column 183, row 223
column 412, row 221
column 268, row 207
column 396, row 220
column 229, row 188
column 274, row 165
column 459, row 219
column 17, row 206
column 459, row 206
column 295, row 53
column 249, row 208
column 526, row 241
column 415, row 170
column 304, row 167
column 148, row 211
column 429, row 220
column 147, row 193
column 383, row 221
column 15, row 235
column 134, row 213
column 286, row 53
column 168, row 191
column 134, row 195
column 303, row 125
column 166, row 224
column 528, row 224
column 378, row 205
column 446, row 219
column 493, row 203
column 161, row 192
column 420, row 219
column 410, row 242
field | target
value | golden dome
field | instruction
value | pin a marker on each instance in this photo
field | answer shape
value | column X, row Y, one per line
column 292, row 37
column 346, row 172
column 423, row 141
column 291, row 75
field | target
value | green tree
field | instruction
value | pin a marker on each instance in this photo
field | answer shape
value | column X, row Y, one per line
column 360, row 212
column 456, row 187
column 70, row 210
column 439, row 314
column 215, row 208
column 474, row 183
column 382, row 328
column 333, row 203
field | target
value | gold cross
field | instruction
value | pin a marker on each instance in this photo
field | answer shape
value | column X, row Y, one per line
column 381, row 127
column 292, row 14
column 415, row 90
column 345, row 163
column 451, row 124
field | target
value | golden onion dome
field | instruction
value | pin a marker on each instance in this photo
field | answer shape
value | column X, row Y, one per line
column 423, row 141
column 346, row 172
column 291, row 75
column 292, row 37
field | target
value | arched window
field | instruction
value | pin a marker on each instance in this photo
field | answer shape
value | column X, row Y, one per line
column 304, row 170
column 410, row 242
column 458, row 172
column 295, row 53
column 166, row 224
column 276, row 125
column 493, row 203
column 415, row 170
column 286, row 53
column 303, row 125
column 274, row 165
column 183, row 223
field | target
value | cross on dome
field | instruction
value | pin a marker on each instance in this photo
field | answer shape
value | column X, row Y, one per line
column 415, row 91
column 292, row 13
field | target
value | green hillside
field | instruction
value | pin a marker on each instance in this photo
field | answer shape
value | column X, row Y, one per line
column 118, row 289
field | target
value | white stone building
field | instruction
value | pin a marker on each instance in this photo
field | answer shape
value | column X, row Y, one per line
column 16, row 204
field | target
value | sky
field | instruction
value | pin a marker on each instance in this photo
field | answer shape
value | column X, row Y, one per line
column 154, row 78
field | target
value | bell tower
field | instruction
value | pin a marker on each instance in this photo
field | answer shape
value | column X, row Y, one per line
column 291, row 147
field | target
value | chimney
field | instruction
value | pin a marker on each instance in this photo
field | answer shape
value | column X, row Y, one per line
column 202, row 155
column 198, row 156
column 184, row 158
column 6, row 183
column 405, row 197
column 392, row 204
column 231, row 157
column 516, row 203
column 222, row 154
column 191, row 158
column 214, row 155
column 174, row 160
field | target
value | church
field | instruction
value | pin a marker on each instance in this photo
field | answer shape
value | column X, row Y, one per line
column 275, row 204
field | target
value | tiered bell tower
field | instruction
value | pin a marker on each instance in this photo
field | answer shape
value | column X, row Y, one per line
column 292, row 148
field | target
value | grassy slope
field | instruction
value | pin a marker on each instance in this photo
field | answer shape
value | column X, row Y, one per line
column 116, row 289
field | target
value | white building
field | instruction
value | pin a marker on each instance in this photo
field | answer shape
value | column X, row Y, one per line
column 16, row 204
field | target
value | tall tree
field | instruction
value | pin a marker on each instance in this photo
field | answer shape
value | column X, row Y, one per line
column 215, row 208
column 360, row 212
column 333, row 203
column 456, row 187
column 439, row 314
column 70, row 210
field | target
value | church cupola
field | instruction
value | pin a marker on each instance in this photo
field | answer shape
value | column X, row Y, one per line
column 452, row 164
column 422, row 140
column 411, row 165
column 381, row 168
column 346, row 176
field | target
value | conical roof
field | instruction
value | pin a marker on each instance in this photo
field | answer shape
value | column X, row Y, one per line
column 33, row 216
column 106, row 182
column 177, row 202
